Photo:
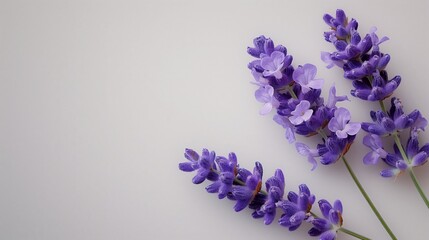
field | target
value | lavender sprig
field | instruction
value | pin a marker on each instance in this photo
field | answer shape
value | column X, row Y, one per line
column 295, row 95
column 245, row 187
column 364, row 64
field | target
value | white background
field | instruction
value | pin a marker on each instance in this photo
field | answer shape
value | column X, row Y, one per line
column 98, row 100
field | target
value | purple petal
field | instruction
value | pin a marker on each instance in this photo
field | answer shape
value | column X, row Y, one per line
column 338, row 206
column 188, row 166
column 371, row 158
column 342, row 115
column 297, row 218
column 389, row 172
column 266, row 108
column 372, row 141
column 316, row 83
column 191, row 155
column 328, row 235
column 325, row 207
column 333, row 125
column 201, row 176
column 419, row 159
column 214, row 187
column 334, row 217
column 321, row 223
column 242, row 193
column 269, row 217
column 241, row 204
column 352, row 128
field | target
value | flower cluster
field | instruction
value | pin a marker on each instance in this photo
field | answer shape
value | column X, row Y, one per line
column 360, row 58
column 245, row 188
column 295, row 95
column 364, row 63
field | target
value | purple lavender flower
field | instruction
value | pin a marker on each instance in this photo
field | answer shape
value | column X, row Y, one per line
column 275, row 187
column 265, row 94
column 333, row 149
column 360, row 58
column 309, row 153
column 264, row 46
column 273, row 64
column 297, row 208
column 380, row 88
column 395, row 119
column 332, row 220
column 415, row 156
column 253, row 183
column 333, row 98
column 203, row 165
column 340, row 124
column 363, row 62
column 301, row 113
column 375, row 40
column 228, row 171
column 374, row 142
column 327, row 58
column 305, row 76
column 259, row 78
column 296, row 95
column 287, row 125
column 244, row 187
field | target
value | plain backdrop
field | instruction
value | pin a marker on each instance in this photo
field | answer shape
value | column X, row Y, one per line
column 99, row 99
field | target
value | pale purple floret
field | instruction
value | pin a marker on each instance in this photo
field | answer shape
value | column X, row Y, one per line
column 326, row 58
column 340, row 124
column 305, row 76
column 326, row 228
column 287, row 125
column 374, row 142
column 273, row 64
column 265, row 94
column 275, row 188
column 375, row 40
column 333, row 98
column 309, row 153
column 301, row 113
column 297, row 208
column 259, row 78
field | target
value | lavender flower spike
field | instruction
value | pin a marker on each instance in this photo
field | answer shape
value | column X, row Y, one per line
column 363, row 62
column 245, row 188
column 340, row 124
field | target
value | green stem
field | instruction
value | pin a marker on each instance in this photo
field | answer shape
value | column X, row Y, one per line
column 399, row 145
column 292, row 93
column 368, row 199
column 419, row 189
column 356, row 235
column 382, row 106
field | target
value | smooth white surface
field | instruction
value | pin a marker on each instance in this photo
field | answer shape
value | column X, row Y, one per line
column 98, row 100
